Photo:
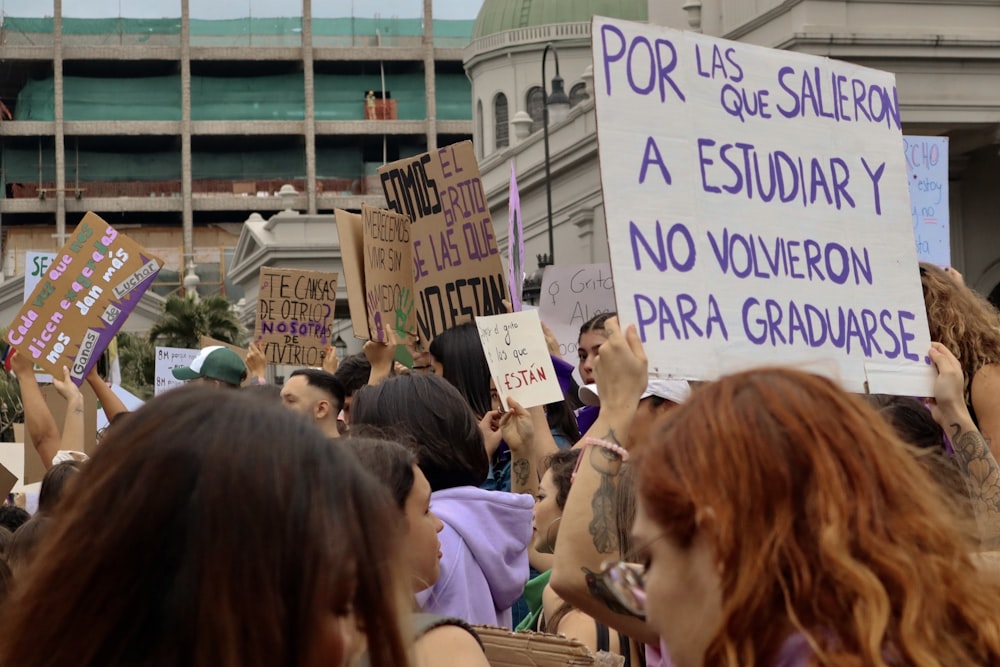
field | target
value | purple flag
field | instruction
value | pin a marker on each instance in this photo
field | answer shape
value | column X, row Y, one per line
column 515, row 243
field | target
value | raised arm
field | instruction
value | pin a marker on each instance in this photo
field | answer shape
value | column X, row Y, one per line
column 72, row 434
column 588, row 535
column 381, row 357
column 110, row 403
column 980, row 468
column 38, row 421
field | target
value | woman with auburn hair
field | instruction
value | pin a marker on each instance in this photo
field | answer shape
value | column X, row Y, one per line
column 784, row 523
column 215, row 530
column 969, row 326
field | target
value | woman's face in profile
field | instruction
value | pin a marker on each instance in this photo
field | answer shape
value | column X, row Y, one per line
column 682, row 587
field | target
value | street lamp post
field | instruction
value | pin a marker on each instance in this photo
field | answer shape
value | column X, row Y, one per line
column 560, row 103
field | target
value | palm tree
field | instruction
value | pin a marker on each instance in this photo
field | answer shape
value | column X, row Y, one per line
column 185, row 321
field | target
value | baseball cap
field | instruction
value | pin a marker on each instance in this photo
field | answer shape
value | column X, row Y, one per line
column 215, row 362
column 676, row 391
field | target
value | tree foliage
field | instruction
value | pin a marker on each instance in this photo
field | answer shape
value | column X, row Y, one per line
column 185, row 321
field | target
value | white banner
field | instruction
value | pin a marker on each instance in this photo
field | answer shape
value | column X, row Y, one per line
column 167, row 359
column 757, row 209
column 570, row 296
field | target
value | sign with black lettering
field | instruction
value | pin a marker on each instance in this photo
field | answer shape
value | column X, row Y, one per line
column 388, row 276
column 83, row 299
column 519, row 359
column 457, row 270
column 295, row 315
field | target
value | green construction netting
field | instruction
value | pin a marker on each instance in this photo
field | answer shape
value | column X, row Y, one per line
column 236, row 32
column 338, row 97
column 21, row 165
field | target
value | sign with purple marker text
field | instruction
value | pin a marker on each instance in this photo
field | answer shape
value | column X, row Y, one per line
column 84, row 298
column 768, row 222
column 519, row 359
column 927, row 170
column 457, row 272
column 295, row 315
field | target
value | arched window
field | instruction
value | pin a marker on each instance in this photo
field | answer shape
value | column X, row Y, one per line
column 501, row 129
column 535, row 102
column 479, row 139
column 577, row 94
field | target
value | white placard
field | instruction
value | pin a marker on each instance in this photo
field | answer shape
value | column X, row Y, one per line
column 35, row 266
column 167, row 359
column 570, row 296
column 757, row 210
column 927, row 174
column 519, row 358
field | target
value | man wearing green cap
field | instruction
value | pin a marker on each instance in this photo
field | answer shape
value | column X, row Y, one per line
column 215, row 365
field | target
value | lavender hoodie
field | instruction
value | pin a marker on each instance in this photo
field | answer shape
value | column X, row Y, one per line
column 484, row 547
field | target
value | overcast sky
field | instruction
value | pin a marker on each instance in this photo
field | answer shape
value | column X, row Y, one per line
column 228, row 9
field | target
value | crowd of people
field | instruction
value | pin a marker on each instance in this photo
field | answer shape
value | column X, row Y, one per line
column 367, row 513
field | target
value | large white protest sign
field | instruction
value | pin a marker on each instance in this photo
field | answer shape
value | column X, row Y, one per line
column 757, row 209
column 518, row 358
column 927, row 175
column 167, row 359
column 570, row 296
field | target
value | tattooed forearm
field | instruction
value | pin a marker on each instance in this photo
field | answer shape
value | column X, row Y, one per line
column 982, row 476
column 604, row 525
column 521, row 470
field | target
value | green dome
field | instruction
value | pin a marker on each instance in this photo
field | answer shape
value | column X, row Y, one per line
column 499, row 15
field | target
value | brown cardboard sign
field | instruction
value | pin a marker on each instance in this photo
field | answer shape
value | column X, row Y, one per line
column 352, row 257
column 457, row 270
column 7, row 481
column 34, row 467
column 295, row 311
column 84, row 298
column 513, row 649
column 207, row 341
column 388, row 261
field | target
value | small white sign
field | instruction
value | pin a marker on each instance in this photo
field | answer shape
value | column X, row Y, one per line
column 167, row 359
column 35, row 266
column 519, row 358
column 570, row 296
column 927, row 174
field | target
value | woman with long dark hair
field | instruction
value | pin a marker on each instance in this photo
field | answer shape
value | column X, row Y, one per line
column 213, row 529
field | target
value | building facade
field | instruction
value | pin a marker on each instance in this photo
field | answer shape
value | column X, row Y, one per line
column 183, row 127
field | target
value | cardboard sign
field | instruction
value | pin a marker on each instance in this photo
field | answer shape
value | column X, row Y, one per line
column 207, row 341
column 87, row 294
column 167, row 359
column 768, row 222
column 570, row 296
column 927, row 175
column 350, row 230
column 518, row 358
column 295, row 315
column 458, row 274
column 36, row 264
column 388, row 262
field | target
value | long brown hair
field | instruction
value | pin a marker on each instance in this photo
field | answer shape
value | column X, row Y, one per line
column 823, row 523
column 962, row 320
column 214, row 530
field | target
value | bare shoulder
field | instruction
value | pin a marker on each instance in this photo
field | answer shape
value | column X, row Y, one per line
column 448, row 645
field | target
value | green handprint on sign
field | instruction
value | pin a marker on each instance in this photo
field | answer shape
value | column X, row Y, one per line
column 404, row 311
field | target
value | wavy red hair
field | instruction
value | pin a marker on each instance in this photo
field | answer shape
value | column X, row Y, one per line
column 823, row 522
